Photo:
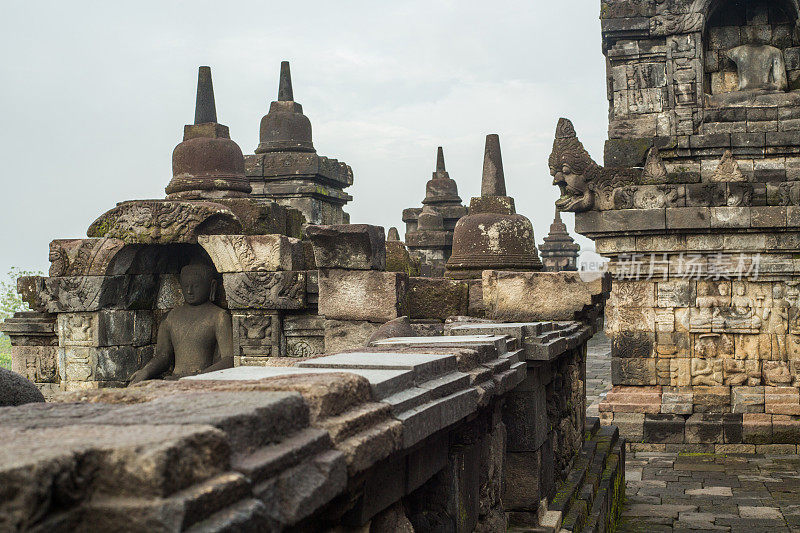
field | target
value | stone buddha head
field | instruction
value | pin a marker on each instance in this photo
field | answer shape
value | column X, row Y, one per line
column 198, row 283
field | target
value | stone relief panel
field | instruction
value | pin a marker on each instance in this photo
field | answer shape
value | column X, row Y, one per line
column 265, row 290
column 257, row 334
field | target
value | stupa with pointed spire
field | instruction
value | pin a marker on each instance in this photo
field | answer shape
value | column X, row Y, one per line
column 430, row 238
column 207, row 164
column 492, row 236
column 559, row 250
column 286, row 168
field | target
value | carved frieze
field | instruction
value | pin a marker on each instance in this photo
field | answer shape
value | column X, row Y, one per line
column 246, row 253
column 165, row 221
column 265, row 290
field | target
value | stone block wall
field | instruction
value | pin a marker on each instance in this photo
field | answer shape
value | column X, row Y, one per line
column 410, row 432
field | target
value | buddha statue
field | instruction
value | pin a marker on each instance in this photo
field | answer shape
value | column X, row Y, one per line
column 195, row 337
column 760, row 67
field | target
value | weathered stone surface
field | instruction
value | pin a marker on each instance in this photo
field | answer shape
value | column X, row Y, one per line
column 351, row 246
column 362, row 295
column 82, row 257
column 16, row 390
column 245, row 253
column 265, row 290
column 90, row 293
column 399, row 327
column 437, row 298
column 341, row 335
column 526, row 296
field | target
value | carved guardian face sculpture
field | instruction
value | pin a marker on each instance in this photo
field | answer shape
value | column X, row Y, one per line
column 573, row 170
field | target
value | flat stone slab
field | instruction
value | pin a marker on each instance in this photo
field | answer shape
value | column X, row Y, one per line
column 384, row 382
column 498, row 341
column 424, row 366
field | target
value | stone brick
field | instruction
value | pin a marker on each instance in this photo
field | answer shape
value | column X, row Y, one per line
column 785, row 429
column 712, row 399
column 437, row 298
column 756, row 428
column 531, row 296
column 348, row 246
column 631, row 425
column 637, row 344
column 664, row 428
column 747, row 399
column 622, row 399
column 688, row 218
column 362, row 295
column 704, row 428
column 633, row 371
column 782, row 400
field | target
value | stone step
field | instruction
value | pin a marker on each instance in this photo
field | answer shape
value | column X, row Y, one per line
column 269, row 460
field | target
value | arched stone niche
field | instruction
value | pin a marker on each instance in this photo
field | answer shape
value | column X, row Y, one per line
column 109, row 299
column 730, row 24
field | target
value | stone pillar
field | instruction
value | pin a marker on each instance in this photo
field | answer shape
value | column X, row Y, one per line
column 356, row 294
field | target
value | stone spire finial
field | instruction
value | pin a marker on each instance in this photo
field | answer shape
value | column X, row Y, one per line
column 441, row 190
column 494, row 181
column 393, row 234
column 205, row 110
column 285, row 128
column 207, row 164
column 285, row 93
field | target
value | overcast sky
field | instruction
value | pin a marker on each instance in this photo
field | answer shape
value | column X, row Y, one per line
column 95, row 95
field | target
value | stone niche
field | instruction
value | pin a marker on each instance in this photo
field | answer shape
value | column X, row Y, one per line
column 740, row 35
column 106, row 299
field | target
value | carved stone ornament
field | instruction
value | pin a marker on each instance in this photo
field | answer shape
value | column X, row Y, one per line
column 265, row 290
column 82, row 257
column 584, row 184
column 165, row 221
column 672, row 24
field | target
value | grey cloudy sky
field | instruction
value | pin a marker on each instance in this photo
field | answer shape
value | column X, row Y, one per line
column 95, row 95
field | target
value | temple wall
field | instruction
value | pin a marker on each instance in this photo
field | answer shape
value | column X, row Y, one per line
column 696, row 207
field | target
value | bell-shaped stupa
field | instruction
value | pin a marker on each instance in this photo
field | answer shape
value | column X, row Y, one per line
column 492, row 236
column 207, row 164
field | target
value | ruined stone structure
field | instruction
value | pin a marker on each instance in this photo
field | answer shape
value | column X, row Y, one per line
column 559, row 250
column 362, row 395
column 286, row 168
column 429, row 230
column 698, row 208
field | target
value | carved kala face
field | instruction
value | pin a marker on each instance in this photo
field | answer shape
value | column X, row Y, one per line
column 575, row 193
column 197, row 283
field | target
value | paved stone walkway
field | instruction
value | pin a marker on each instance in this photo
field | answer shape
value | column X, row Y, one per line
column 598, row 371
column 699, row 492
